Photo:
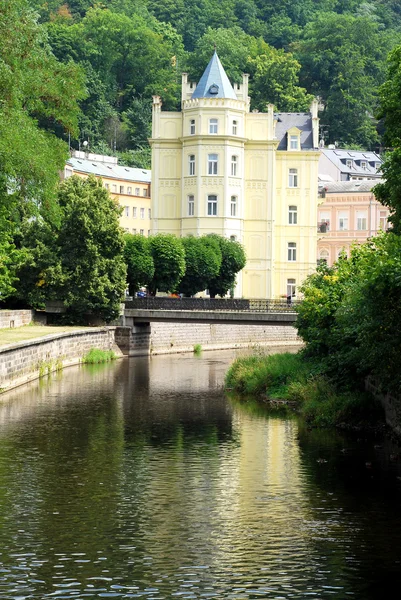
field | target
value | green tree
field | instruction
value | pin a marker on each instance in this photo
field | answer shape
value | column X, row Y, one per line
column 37, row 95
column 275, row 80
column 90, row 246
column 168, row 256
column 80, row 260
column 233, row 259
column 203, row 262
column 389, row 191
column 140, row 265
column 343, row 62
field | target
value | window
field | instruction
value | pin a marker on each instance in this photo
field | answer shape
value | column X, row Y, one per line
column 293, row 178
column 134, row 231
column 192, row 127
column 213, row 126
column 383, row 220
column 106, row 185
column 136, row 191
column 134, row 212
column 323, row 257
column 191, row 164
column 234, row 163
column 212, row 164
column 148, row 232
column 233, row 206
column 129, row 190
column 361, row 223
column 121, row 189
column 126, row 211
column 141, row 232
column 212, row 206
column 114, row 188
column 145, row 192
column 234, row 130
column 291, row 288
column 364, row 164
column 343, row 221
column 142, row 213
column 292, row 215
column 361, row 220
column 191, row 206
column 294, row 140
column 292, row 251
column 68, row 173
column 349, row 163
column 324, row 221
column 149, row 213
column 233, row 238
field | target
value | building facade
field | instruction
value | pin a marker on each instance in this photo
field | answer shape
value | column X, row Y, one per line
column 249, row 176
column 348, row 214
column 128, row 186
column 336, row 164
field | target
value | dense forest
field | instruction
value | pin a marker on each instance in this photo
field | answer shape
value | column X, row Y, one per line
column 128, row 50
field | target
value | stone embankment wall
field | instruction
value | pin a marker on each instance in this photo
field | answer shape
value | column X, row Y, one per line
column 25, row 361
column 15, row 318
column 179, row 337
column 391, row 405
column 20, row 363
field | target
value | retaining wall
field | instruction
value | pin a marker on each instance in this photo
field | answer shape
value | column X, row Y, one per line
column 25, row 361
column 180, row 337
column 15, row 318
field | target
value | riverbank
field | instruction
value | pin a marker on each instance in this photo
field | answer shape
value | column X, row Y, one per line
column 32, row 351
column 16, row 335
column 292, row 379
column 33, row 358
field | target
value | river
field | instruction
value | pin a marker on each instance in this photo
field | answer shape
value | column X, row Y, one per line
column 140, row 479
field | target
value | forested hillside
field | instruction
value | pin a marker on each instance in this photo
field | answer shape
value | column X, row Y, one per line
column 293, row 49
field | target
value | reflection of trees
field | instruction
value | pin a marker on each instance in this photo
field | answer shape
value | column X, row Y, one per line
column 63, row 473
column 354, row 498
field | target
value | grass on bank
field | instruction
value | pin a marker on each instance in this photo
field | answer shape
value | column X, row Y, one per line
column 31, row 332
column 96, row 356
column 290, row 377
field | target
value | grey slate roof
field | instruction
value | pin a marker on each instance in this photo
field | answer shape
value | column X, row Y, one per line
column 103, row 169
column 350, row 186
column 339, row 158
column 284, row 122
column 214, row 74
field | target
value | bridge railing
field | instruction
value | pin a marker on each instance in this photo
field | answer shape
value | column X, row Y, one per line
column 213, row 304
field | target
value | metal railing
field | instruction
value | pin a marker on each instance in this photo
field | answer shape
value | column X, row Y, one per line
column 214, row 304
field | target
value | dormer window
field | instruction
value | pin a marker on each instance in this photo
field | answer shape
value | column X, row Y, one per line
column 364, row 164
column 349, row 164
column 294, row 139
column 214, row 89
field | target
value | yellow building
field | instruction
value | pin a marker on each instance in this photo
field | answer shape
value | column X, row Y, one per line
column 128, row 186
column 250, row 176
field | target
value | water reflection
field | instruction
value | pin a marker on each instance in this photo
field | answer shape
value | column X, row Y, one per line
column 140, row 480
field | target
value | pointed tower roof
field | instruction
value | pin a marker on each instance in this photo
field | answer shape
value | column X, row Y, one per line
column 214, row 82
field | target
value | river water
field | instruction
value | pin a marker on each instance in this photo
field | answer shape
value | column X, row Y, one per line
column 140, row 479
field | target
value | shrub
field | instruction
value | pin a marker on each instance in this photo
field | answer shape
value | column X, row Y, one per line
column 95, row 356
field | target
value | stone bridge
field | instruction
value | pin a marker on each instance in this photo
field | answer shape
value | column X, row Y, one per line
column 223, row 318
column 209, row 310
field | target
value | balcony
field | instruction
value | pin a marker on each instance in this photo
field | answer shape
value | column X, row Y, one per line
column 323, row 227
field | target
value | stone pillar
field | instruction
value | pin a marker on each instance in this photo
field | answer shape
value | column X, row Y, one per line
column 133, row 340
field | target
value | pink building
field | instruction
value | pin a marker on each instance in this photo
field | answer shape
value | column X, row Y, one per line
column 347, row 213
